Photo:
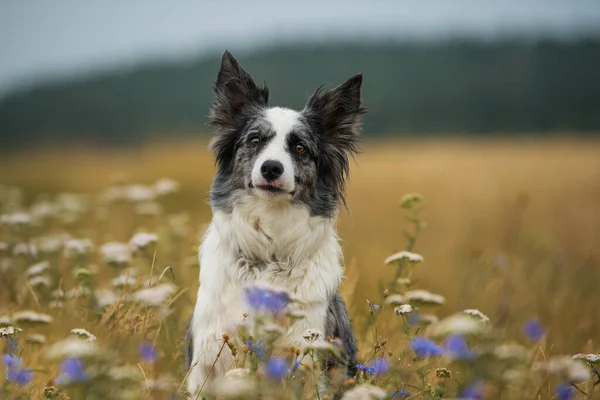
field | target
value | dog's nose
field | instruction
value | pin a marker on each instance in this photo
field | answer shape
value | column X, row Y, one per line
column 271, row 170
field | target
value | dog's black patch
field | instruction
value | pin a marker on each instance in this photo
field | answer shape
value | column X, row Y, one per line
column 189, row 346
column 338, row 326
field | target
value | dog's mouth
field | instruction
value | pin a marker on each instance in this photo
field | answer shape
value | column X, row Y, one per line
column 271, row 189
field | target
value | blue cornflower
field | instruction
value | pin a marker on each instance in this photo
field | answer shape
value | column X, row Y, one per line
column 473, row 392
column 364, row 368
column 379, row 366
column 534, row 330
column 148, row 352
column 457, row 347
column 276, row 368
column 267, row 299
column 255, row 348
column 20, row 376
column 11, row 361
column 424, row 347
column 295, row 366
column 399, row 394
column 71, row 370
column 372, row 306
column 564, row 391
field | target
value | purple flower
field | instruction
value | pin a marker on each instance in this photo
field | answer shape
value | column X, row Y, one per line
column 276, row 369
column 379, row 366
column 399, row 394
column 564, row 391
column 457, row 347
column 267, row 299
column 473, row 392
column 71, row 370
column 148, row 352
column 20, row 376
column 255, row 348
column 534, row 330
column 424, row 347
column 364, row 368
column 11, row 361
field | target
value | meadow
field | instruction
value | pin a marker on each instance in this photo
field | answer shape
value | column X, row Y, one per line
column 105, row 240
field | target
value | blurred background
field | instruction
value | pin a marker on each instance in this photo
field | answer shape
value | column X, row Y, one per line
column 489, row 109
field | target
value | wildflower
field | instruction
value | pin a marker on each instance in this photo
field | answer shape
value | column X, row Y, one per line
column 155, row 296
column 457, row 347
column 512, row 351
column 473, row 392
column 564, row 391
column 5, row 320
column 365, row 392
column 399, row 394
column 372, row 306
column 147, row 352
column 410, row 200
column 16, row 219
column 83, row 334
column 403, row 309
column 37, row 269
column 591, row 359
column 36, row 338
column 77, row 247
column 457, row 324
column 379, row 366
column 11, row 361
column 139, row 193
column 32, row 317
column 534, row 330
column 443, row 373
column 424, row 347
column 38, row 281
column 25, row 249
column 566, row 367
column 20, row 376
column 125, row 373
column 71, row 371
column 310, row 335
column 9, row 331
column 364, row 368
column 115, row 253
column 105, row 297
column 276, row 368
column 269, row 298
column 72, row 347
column 406, row 256
column 142, row 240
column 123, row 280
column 255, row 348
column 165, row 187
column 477, row 314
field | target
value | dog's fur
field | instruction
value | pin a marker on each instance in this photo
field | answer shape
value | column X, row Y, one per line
column 274, row 223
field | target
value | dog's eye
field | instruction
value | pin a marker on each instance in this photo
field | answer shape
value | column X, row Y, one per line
column 254, row 140
column 300, row 148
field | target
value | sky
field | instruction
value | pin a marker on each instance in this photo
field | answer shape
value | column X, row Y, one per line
column 49, row 39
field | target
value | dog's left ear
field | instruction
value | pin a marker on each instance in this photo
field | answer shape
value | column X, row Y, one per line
column 337, row 113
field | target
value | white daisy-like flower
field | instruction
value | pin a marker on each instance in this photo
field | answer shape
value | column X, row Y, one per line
column 76, row 247
column 566, row 367
column 32, row 317
column 154, row 296
column 423, row 297
column 406, row 256
column 477, row 314
column 16, row 219
column 139, row 193
column 40, row 280
column 83, row 334
column 592, row 359
column 310, row 335
column 512, row 351
column 72, row 347
column 105, row 297
column 457, row 324
column 166, row 186
column 123, row 280
column 37, row 269
column 142, row 240
column 116, row 253
column 5, row 320
column 403, row 309
column 36, row 338
column 365, row 392
column 25, row 249
column 9, row 331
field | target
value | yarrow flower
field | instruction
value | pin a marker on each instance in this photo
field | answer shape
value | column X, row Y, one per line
column 424, row 347
column 534, row 330
column 148, row 352
column 71, row 371
column 276, row 368
column 564, row 391
column 255, row 348
column 267, row 298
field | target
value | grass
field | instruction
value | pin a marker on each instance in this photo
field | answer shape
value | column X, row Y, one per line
column 512, row 229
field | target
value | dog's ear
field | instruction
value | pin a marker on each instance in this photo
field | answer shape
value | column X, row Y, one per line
column 337, row 112
column 235, row 90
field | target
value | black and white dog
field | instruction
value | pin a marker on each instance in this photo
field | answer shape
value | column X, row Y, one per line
column 275, row 200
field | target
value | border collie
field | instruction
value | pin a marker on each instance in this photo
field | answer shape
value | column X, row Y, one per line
column 275, row 200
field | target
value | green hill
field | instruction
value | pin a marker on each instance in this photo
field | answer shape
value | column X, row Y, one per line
column 458, row 87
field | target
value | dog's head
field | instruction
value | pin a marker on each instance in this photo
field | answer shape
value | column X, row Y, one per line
column 279, row 154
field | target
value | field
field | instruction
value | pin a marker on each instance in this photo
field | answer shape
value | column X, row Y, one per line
column 512, row 229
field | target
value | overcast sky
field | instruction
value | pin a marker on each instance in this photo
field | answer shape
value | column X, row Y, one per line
column 46, row 38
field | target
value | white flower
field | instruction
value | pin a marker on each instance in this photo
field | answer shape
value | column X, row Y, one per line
column 404, row 256
column 310, row 335
column 36, row 338
column 25, row 249
column 116, row 253
column 5, row 320
column 165, row 187
column 237, row 373
column 42, row 210
column 105, row 297
column 123, row 280
column 456, row 324
column 477, row 314
column 40, row 280
column 32, row 317
column 141, row 240
column 512, row 351
column 365, row 392
column 78, row 246
column 38, row 268
column 9, row 331
column 125, row 373
column 154, row 296
column 592, row 359
column 233, row 387
column 16, row 219
column 423, row 297
column 428, row 319
column 395, row 299
column 72, row 347
column 403, row 309
column 565, row 366
column 51, row 243
column 139, row 193
column 72, row 203
column 83, row 334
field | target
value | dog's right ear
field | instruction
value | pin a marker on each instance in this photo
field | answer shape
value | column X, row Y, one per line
column 235, row 90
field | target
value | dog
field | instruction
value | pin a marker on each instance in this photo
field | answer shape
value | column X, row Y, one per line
column 275, row 198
